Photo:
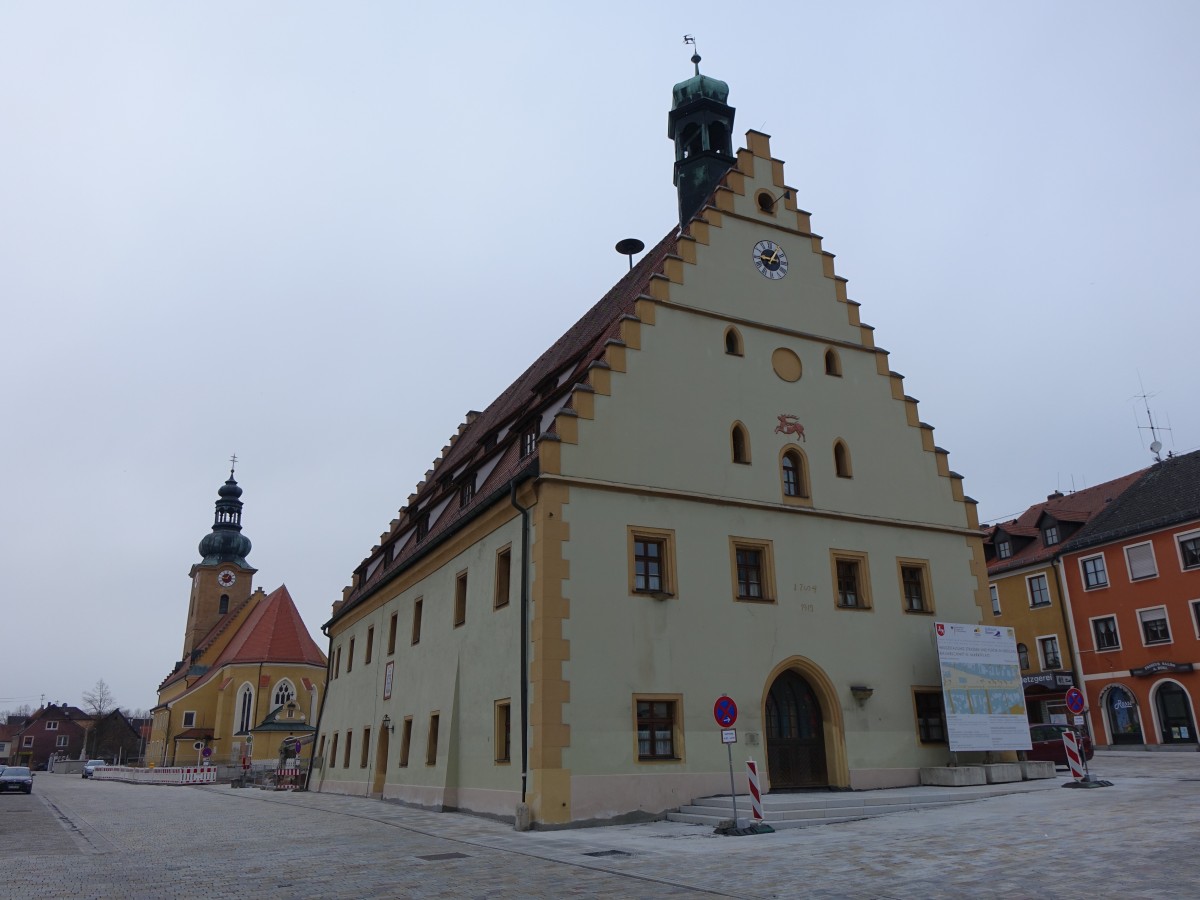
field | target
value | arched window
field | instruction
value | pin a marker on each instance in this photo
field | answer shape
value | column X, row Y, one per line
column 245, row 708
column 841, row 460
column 733, row 342
column 224, row 607
column 692, row 141
column 833, row 363
column 1023, row 656
column 740, row 443
column 718, row 137
column 795, row 480
column 284, row 692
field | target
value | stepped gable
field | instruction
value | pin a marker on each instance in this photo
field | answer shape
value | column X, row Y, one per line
column 1165, row 494
column 1078, row 508
column 552, row 376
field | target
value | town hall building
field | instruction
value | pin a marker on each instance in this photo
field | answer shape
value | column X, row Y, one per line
column 713, row 484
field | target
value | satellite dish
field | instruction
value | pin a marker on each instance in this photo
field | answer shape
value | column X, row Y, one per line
column 628, row 247
column 1155, row 446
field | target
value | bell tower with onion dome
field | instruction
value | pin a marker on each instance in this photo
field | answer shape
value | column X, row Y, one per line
column 701, row 125
column 222, row 580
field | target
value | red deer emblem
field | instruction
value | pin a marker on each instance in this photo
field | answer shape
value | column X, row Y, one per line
column 789, row 424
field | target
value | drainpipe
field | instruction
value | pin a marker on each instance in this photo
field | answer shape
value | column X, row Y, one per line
column 524, row 639
column 312, row 753
column 1076, row 654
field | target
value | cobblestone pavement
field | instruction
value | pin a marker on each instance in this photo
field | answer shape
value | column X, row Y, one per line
column 76, row 838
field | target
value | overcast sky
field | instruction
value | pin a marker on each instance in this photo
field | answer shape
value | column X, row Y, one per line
column 316, row 234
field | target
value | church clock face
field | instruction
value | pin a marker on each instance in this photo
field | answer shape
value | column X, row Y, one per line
column 225, row 578
column 770, row 260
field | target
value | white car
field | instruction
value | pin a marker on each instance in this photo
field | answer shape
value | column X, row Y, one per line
column 89, row 767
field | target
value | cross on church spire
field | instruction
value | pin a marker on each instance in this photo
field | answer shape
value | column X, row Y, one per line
column 232, row 464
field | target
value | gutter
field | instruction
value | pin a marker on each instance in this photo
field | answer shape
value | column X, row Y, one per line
column 312, row 756
column 524, row 638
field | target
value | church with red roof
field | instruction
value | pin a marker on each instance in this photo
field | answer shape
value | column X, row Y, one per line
column 250, row 679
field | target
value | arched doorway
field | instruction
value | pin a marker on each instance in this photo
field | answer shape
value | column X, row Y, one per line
column 381, row 758
column 1174, row 715
column 795, row 734
column 1120, row 708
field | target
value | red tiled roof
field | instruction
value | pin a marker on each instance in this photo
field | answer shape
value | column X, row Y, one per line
column 273, row 632
column 1078, row 507
column 554, row 373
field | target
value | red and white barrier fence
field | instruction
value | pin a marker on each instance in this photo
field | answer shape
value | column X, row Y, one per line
column 755, row 793
column 165, row 775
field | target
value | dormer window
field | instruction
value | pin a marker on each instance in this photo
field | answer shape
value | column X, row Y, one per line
column 466, row 491
column 529, row 441
column 1004, row 549
column 1050, row 535
column 422, row 526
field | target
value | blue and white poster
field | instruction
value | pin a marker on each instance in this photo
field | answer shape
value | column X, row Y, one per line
column 981, row 685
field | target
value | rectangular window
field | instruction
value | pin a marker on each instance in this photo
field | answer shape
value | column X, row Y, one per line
column 466, row 491
column 189, row 720
column 1154, row 625
column 350, row 657
column 503, row 577
column 366, row 748
column 1050, row 535
column 61, row 740
column 1189, row 551
column 52, row 725
column 1095, row 575
column 1105, row 630
column 1048, row 647
column 851, row 579
column 915, row 585
column 460, row 599
column 1196, row 616
column 931, row 716
column 753, row 570
column 1039, row 590
column 333, row 751
column 1004, row 549
column 1140, row 559
column 337, row 665
column 529, row 441
column 405, row 741
column 321, row 748
column 346, row 753
column 370, row 645
column 392, row 634
column 995, row 592
column 416, row 625
column 431, row 745
column 656, row 729
column 651, row 561
column 27, row 741
column 503, row 731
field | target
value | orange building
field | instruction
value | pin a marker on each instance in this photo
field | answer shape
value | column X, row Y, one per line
column 1131, row 582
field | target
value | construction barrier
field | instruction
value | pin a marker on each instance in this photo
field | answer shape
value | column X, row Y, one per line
column 755, row 794
column 166, row 775
column 1074, row 760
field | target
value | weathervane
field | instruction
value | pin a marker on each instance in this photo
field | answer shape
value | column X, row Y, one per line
column 690, row 39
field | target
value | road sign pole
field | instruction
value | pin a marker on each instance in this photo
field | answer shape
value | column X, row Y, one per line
column 732, row 789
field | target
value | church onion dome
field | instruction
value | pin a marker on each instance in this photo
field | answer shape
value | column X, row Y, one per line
column 226, row 543
column 699, row 87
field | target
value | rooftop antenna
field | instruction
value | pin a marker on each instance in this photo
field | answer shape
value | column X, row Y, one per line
column 1155, row 443
column 630, row 246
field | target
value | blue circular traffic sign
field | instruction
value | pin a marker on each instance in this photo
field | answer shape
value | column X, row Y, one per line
column 1075, row 701
column 725, row 711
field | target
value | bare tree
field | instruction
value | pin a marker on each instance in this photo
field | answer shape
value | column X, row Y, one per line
column 98, row 702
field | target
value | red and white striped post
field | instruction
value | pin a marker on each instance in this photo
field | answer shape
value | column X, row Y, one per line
column 755, row 793
column 1074, row 760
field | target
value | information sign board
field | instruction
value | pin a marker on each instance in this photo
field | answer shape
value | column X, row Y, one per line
column 981, row 687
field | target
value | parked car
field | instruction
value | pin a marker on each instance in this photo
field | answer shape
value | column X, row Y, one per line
column 16, row 778
column 1048, row 743
column 89, row 767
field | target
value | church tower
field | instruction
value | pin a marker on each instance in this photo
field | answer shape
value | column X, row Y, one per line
column 701, row 124
column 222, row 580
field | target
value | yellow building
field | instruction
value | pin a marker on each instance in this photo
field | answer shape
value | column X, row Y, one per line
column 712, row 484
column 251, row 676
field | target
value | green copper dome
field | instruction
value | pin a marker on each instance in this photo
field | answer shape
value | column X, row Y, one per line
column 226, row 543
column 699, row 87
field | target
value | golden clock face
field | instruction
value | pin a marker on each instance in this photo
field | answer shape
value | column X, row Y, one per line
column 770, row 260
column 225, row 578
